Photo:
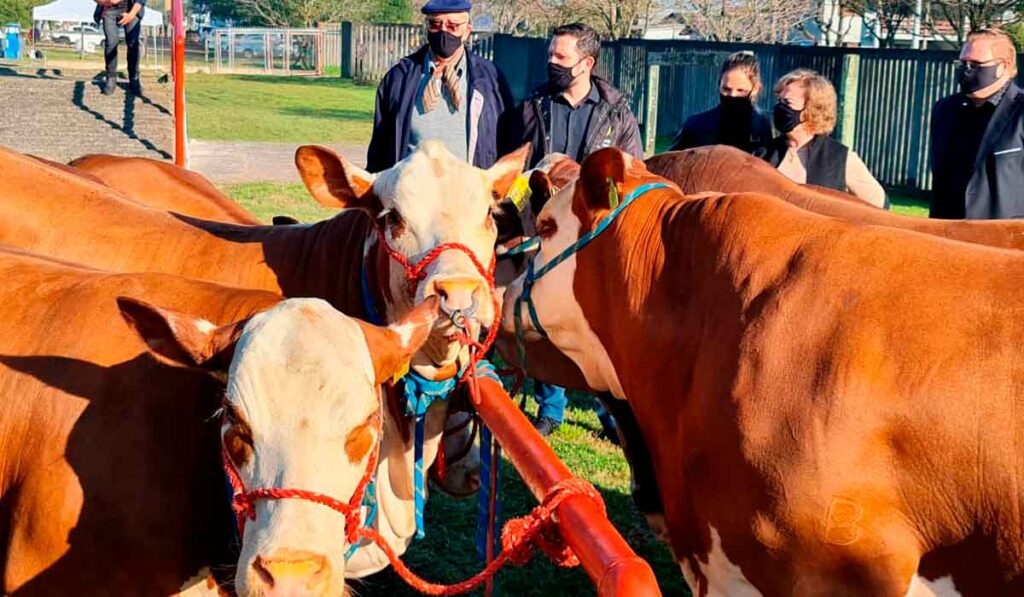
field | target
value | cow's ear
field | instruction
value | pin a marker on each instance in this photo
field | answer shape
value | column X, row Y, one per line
column 182, row 338
column 391, row 348
column 541, row 189
column 504, row 172
column 602, row 177
column 334, row 181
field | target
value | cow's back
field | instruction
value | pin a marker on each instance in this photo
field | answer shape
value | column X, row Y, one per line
column 163, row 185
column 60, row 215
column 728, row 170
column 111, row 481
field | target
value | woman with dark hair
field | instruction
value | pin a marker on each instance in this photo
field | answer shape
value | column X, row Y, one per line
column 735, row 121
column 805, row 116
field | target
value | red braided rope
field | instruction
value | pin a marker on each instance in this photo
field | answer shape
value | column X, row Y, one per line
column 517, row 537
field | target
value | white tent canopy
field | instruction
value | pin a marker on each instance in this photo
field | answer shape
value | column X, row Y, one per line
column 80, row 11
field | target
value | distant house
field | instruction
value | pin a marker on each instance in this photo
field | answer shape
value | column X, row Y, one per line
column 667, row 24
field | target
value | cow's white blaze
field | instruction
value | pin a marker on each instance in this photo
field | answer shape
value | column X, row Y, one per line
column 722, row 576
column 557, row 307
column 302, row 378
column 440, row 199
column 940, row 587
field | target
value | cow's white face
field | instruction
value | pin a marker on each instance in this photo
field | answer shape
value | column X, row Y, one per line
column 426, row 200
column 557, row 308
column 303, row 413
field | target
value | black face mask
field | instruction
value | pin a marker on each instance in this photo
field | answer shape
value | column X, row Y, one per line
column 977, row 77
column 443, row 44
column 785, row 118
column 735, row 105
column 561, row 77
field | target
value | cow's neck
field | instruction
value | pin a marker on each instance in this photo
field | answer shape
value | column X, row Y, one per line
column 663, row 288
column 323, row 260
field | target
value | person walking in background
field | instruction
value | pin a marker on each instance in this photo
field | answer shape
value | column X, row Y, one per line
column 805, row 116
column 977, row 149
column 442, row 91
column 114, row 14
column 735, row 121
column 575, row 112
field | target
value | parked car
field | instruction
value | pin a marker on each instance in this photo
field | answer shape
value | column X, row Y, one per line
column 80, row 35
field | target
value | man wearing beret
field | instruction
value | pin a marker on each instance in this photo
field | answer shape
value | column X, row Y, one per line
column 443, row 91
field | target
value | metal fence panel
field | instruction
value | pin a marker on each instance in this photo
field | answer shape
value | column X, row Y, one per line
column 268, row 51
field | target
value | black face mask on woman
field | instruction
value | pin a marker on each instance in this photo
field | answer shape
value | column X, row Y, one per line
column 737, row 105
column 785, row 118
column 975, row 78
column 561, row 77
column 443, row 44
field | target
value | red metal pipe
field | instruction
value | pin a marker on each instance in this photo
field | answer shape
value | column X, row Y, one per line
column 609, row 561
column 178, row 68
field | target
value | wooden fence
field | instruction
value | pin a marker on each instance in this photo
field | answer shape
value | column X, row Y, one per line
column 368, row 50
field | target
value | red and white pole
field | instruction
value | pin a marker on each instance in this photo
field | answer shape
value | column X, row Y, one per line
column 178, row 72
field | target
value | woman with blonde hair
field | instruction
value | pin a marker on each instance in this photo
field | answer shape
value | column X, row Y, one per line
column 805, row 116
column 735, row 121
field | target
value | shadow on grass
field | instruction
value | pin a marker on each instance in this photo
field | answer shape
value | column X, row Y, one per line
column 901, row 200
column 448, row 553
column 330, row 113
column 307, row 80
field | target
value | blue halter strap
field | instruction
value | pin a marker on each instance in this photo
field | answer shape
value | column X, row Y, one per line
column 532, row 274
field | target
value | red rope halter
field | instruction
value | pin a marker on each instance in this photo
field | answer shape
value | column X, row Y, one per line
column 517, row 536
column 244, row 502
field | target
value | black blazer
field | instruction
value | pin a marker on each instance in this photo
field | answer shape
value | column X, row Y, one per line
column 702, row 129
column 996, row 188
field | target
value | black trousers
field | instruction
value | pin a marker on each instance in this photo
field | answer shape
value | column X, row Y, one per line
column 131, row 39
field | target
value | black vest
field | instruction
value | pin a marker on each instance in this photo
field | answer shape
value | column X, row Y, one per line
column 826, row 160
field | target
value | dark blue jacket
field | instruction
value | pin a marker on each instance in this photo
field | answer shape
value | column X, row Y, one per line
column 994, row 191
column 489, row 102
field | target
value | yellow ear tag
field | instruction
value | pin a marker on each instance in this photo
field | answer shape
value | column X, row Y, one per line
column 400, row 373
column 519, row 193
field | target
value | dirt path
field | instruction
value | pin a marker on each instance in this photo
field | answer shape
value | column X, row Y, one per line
column 229, row 162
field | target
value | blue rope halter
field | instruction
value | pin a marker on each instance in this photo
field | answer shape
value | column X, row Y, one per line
column 532, row 274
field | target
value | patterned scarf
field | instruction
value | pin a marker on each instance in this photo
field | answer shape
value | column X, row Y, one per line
column 445, row 72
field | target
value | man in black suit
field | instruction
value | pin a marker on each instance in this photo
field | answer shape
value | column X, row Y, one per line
column 977, row 134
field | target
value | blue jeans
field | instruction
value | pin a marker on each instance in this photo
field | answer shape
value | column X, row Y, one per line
column 551, row 401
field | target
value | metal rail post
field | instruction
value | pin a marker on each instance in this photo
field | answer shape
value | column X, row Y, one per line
column 609, row 561
column 178, row 21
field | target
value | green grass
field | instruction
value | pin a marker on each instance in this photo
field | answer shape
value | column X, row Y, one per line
column 907, row 205
column 268, row 199
column 285, row 109
column 448, row 553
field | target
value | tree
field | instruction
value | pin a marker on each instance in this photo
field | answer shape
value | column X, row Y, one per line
column 965, row 16
column 757, row 21
column 392, row 11
column 18, row 11
column 613, row 18
column 303, row 13
column 883, row 18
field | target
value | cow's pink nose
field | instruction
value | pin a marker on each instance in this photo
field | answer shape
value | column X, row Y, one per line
column 291, row 572
column 457, row 293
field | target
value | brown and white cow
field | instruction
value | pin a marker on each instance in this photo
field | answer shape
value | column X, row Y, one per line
column 111, row 479
column 831, row 408
column 163, row 185
column 428, row 199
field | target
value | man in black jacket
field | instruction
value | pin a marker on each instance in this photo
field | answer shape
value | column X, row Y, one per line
column 977, row 153
column 575, row 112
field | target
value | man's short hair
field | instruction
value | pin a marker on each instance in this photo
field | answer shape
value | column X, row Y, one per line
column 587, row 39
column 1003, row 46
column 820, row 102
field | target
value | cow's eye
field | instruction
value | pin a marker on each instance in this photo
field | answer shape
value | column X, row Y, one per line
column 546, row 228
column 394, row 222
